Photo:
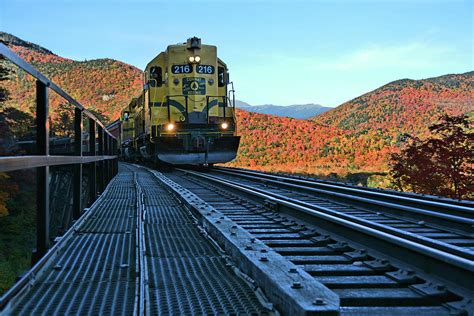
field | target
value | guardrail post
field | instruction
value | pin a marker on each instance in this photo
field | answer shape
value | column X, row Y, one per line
column 111, row 162
column 116, row 159
column 112, row 152
column 42, row 173
column 92, row 165
column 100, row 169
column 77, row 197
column 106, row 162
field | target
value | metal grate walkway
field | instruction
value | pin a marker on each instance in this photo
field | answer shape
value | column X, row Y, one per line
column 95, row 271
column 187, row 275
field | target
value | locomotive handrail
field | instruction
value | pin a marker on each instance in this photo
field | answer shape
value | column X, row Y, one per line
column 104, row 157
column 233, row 94
column 186, row 105
column 224, row 99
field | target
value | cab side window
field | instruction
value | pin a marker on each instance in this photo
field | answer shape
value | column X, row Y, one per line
column 156, row 76
column 221, row 76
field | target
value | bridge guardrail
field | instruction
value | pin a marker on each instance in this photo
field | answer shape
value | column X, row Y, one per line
column 98, row 157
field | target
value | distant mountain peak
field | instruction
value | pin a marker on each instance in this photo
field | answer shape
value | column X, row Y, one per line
column 298, row 111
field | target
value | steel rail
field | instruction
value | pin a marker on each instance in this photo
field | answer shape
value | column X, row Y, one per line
column 460, row 223
column 463, row 207
column 142, row 303
column 411, row 236
column 450, row 266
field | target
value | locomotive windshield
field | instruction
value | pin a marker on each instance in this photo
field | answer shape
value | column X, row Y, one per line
column 221, row 76
column 156, row 77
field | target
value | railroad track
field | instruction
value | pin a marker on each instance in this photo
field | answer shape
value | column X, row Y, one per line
column 426, row 222
column 342, row 187
column 376, row 262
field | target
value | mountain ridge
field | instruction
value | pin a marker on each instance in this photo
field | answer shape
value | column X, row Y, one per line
column 298, row 111
column 404, row 105
column 89, row 82
column 10, row 39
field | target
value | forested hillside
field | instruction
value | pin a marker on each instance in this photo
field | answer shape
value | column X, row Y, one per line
column 290, row 145
column 357, row 136
column 102, row 85
column 405, row 106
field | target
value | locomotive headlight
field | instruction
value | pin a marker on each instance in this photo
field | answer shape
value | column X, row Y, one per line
column 224, row 125
column 170, row 127
column 194, row 59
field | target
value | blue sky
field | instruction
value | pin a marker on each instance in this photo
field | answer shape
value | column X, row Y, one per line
column 280, row 52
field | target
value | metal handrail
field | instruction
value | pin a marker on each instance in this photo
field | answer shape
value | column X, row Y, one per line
column 17, row 60
column 102, row 166
column 224, row 99
column 186, row 117
column 233, row 94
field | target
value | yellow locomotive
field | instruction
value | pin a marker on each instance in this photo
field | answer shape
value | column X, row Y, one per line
column 186, row 111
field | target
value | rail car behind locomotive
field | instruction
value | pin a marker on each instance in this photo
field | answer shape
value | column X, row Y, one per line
column 185, row 114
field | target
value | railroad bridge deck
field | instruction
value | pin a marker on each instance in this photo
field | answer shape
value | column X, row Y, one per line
column 136, row 249
column 156, row 243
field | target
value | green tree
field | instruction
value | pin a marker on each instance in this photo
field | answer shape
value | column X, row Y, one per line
column 62, row 122
column 4, row 75
column 14, row 125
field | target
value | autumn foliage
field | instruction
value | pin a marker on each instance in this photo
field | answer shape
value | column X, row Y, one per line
column 102, row 85
column 442, row 164
column 405, row 106
column 358, row 137
column 275, row 143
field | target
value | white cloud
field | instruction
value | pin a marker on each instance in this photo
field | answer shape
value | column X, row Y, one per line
column 413, row 55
